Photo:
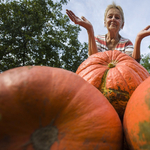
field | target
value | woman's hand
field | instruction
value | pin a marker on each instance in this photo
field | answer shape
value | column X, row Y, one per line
column 82, row 22
column 143, row 33
column 92, row 48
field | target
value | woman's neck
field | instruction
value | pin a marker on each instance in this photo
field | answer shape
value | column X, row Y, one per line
column 112, row 40
column 112, row 37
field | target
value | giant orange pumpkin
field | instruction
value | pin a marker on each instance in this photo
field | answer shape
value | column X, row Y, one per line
column 44, row 108
column 137, row 118
column 115, row 74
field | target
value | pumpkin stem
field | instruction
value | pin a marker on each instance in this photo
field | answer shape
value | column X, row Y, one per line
column 112, row 64
column 43, row 138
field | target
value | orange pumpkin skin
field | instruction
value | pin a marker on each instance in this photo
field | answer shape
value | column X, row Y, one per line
column 115, row 74
column 137, row 118
column 44, row 108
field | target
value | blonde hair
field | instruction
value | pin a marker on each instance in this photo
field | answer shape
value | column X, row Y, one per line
column 113, row 5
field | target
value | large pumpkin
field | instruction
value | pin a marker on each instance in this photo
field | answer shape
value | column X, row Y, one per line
column 115, row 74
column 44, row 108
column 137, row 118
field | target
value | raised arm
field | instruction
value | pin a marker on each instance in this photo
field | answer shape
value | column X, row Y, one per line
column 136, row 53
column 92, row 48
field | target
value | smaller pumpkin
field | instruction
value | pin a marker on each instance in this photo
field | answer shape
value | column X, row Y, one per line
column 44, row 108
column 115, row 74
column 137, row 118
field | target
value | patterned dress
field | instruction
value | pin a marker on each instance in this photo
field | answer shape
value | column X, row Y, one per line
column 124, row 45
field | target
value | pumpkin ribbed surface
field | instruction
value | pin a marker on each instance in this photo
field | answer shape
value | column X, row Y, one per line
column 137, row 118
column 44, row 108
column 115, row 74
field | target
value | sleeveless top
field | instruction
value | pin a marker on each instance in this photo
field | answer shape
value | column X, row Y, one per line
column 124, row 45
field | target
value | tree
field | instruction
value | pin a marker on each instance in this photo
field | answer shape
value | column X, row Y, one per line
column 35, row 32
column 145, row 62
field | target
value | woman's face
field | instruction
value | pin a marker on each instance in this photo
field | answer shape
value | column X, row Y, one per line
column 113, row 20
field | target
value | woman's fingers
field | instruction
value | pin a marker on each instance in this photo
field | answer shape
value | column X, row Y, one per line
column 82, row 22
column 145, row 32
column 72, row 16
column 148, row 27
column 69, row 14
column 83, row 18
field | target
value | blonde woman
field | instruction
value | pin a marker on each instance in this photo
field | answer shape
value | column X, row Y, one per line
column 114, row 22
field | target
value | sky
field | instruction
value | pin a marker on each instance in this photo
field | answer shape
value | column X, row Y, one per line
column 136, row 13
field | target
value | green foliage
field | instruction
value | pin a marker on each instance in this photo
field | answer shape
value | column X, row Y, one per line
column 35, row 32
column 145, row 62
